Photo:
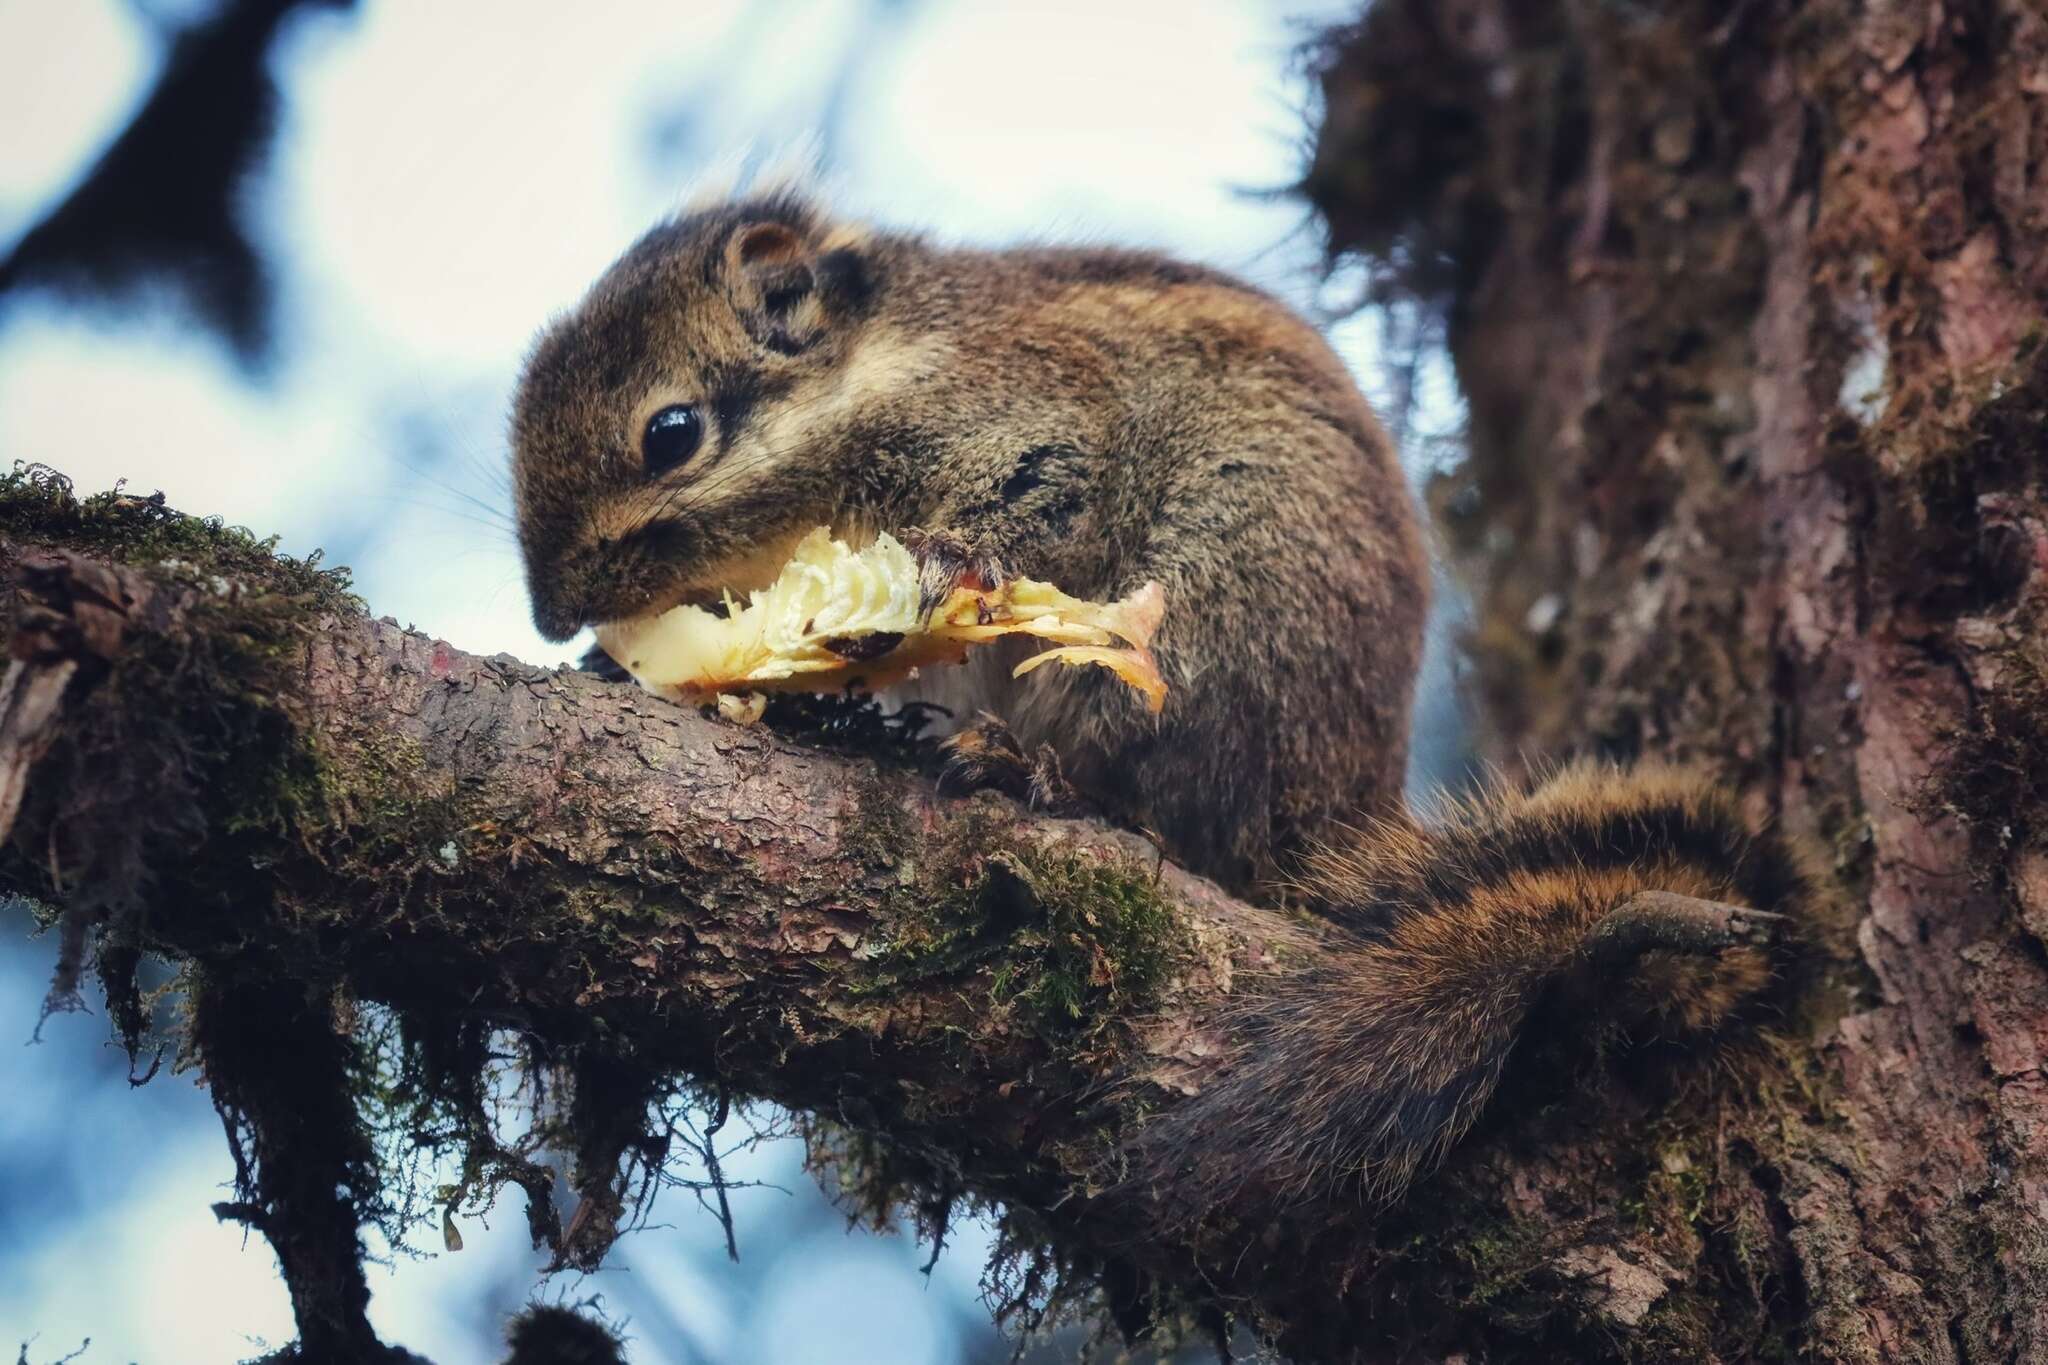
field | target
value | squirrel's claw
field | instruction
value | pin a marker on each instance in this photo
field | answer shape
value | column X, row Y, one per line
column 947, row 560
column 1667, row 921
column 987, row 754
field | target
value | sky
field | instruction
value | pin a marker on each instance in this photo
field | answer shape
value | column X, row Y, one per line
column 446, row 177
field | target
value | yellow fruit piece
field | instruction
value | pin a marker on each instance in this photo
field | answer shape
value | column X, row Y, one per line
column 1134, row 666
column 836, row 617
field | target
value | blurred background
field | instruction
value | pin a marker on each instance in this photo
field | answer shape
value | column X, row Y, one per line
column 281, row 260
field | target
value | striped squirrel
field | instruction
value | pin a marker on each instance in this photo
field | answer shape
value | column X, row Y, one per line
column 755, row 368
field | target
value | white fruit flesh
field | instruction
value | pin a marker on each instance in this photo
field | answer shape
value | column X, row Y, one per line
column 814, row 629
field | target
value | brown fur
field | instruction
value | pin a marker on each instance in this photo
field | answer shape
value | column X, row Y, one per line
column 1455, row 938
column 1092, row 417
column 1099, row 418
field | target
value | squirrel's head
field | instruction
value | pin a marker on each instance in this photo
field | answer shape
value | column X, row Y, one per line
column 684, row 419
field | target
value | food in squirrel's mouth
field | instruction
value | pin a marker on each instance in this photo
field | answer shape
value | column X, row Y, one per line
column 838, row 616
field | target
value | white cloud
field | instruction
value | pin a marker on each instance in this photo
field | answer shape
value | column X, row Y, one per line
column 1133, row 121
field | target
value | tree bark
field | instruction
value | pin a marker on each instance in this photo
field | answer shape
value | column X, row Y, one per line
column 1748, row 304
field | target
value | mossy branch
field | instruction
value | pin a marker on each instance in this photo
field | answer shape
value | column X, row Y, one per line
column 402, row 855
column 215, row 755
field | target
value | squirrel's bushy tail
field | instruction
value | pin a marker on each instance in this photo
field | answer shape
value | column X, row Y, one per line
column 1609, row 901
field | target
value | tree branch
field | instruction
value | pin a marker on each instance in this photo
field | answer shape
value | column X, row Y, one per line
column 229, row 763
column 333, row 799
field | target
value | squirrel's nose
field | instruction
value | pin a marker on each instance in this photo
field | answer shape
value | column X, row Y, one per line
column 559, row 609
column 555, row 624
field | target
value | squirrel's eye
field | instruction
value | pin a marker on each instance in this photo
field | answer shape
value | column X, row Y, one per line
column 672, row 436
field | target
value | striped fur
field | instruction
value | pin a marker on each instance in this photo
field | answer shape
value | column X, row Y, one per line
column 1366, row 1068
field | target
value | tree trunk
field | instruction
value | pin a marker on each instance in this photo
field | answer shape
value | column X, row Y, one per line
column 1748, row 300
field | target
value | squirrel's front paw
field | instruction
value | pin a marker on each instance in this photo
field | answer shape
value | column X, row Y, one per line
column 947, row 560
column 595, row 660
column 987, row 754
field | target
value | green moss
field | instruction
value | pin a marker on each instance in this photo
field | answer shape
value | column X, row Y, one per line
column 1071, row 945
column 1107, row 937
column 195, row 713
column 1677, row 1182
column 1498, row 1259
column 1072, row 940
column 880, row 828
column 38, row 505
column 193, row 733
column 186, row 732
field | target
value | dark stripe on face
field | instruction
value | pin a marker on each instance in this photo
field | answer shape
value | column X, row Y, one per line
column 733, row 399
column 736, row 394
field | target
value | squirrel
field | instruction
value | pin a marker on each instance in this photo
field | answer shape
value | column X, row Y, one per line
column 1092, row 417
column 1098, row 417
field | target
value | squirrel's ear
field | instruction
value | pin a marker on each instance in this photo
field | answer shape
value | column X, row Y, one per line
column 765, row 246
column 790, row 287
column 774, row 283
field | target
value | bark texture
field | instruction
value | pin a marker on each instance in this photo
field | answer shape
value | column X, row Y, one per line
column 1748, row 303
column 217, row 757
